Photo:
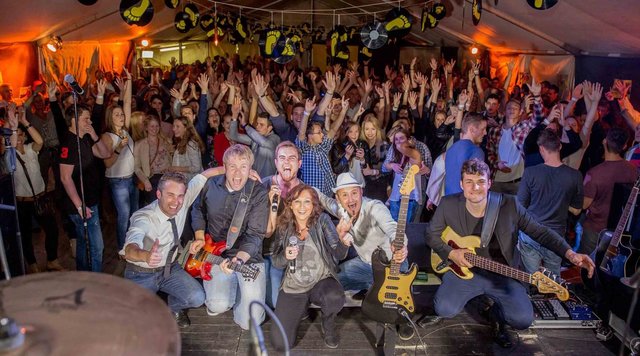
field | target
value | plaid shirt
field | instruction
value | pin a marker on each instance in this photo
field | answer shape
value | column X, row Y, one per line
column 316, row 170
column 519, row 133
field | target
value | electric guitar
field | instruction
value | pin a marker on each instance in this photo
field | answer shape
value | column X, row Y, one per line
column 199, row 265
column 544, row 280
column 390, row 295
column 618, row 258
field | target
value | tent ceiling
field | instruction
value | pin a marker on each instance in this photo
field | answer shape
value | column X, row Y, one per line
column 592, row 27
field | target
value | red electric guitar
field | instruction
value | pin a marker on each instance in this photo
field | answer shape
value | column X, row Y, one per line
column 199, row 265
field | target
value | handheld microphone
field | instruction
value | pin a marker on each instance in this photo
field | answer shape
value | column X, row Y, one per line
column 73, row 84
column 293, row 242
column 275, row 202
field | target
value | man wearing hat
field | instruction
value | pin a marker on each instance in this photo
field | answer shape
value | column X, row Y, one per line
column 371, row 226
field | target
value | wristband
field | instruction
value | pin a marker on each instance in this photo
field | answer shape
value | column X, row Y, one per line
column 263, row 95
column 100, row 97
column 476, row 72
column 28, row 126
column 327, row 93
column 96, row 141
column 305, row 113
column 460, row 107
column 546, row 122
column 573, row 99
column 116, row 152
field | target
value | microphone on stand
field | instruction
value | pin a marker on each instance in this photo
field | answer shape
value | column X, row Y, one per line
column 73, row 84
column 293, row 242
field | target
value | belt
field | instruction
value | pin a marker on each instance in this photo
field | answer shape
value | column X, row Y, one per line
column 512, row 181
column 136, row 268
column 27, row 199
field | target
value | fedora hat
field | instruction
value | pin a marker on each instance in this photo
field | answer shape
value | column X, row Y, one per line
column 346, row 180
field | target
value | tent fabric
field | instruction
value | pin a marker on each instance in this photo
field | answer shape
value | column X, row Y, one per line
column 18, row 64
column 83, row 58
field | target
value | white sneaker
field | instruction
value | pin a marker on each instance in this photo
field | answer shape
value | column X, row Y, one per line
column 210, row 313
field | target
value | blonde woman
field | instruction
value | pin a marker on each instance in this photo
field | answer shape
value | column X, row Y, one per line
column 375, row 151
column 153, row 156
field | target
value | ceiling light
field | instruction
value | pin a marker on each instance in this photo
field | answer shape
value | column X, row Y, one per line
column 144, row 43
column 474, row 50
column 169, row 49
column 54, row 44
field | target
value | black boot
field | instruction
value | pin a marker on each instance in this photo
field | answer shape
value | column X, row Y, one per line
column 405, row 331
column 501, row 336
column 182, row 319
column 429, row 320
column 329, row 333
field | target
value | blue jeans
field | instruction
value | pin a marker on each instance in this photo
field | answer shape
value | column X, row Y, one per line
column 183, row 290
column 125, row 199
column 274, row 279
column 96, row 246
column 533, row 255
column 226, row 291
column 508, row 294
column 394, row 209
column 356, row 274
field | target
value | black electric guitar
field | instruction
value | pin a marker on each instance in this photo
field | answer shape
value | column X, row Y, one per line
column 615, row 254
column 391, row 290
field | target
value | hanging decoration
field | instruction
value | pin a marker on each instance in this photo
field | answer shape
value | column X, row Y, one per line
column 398, row 22
column 542, row 4
column 194, row 15
column 476, row 11
column 428, row 20
column 207, row 23
column 136, row 12
column 439, row 11
column 267, row 42
column 364, row 54
column 172, row 4
column 337, row 44
column 182, row 22
column 88, row 2
column 285, row 50
column 373, row 36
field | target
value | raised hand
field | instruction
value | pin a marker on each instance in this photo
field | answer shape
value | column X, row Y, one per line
column 348, row 151
column 126, row 72
column 596, row 92
column 449, row 66
column 435, row 85
column 120, row 84
column 52, row 89
column 236, row 107
column 577, row 92
column 345, row 104
column 406, row 83
column 260, row 85
column 203, row 82
column 421, row 79
column 330, row 82
column 368, row 86
column 413, row 100
column 413, row 63
column 463, row 97
column 310, row 105
column 380, row 91
column 433, row 64
column 396, row 99
column 535, row 87
column 102, row 87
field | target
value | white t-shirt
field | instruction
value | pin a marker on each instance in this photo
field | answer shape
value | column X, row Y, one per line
column 30, row 158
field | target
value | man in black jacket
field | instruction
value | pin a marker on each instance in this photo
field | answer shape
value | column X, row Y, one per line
column 464, row 213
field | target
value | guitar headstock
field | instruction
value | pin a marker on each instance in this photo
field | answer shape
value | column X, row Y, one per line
column 549, row 283
column 409, row 181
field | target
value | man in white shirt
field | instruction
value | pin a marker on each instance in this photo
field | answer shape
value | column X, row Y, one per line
column 153, row 239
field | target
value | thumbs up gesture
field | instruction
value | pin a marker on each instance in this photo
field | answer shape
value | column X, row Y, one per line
column 154, row 257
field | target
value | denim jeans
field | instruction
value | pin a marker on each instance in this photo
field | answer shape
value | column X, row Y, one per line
column 509, row 294
column 394, row 209
column 534, row 255
column 356, row 274
column 125, row 199
column 274, row 279
column 226, row 291
column 183, row 290
column 96, row 245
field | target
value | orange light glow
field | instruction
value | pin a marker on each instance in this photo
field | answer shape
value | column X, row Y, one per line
column 144, row 43
column 474, row 50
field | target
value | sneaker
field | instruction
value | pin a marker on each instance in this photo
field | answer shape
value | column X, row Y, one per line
column 405, row 331
column 429, row 320
column 55, row 266
column 182, row 319
column 33, row 268
column 330, row 336
column 211, row 313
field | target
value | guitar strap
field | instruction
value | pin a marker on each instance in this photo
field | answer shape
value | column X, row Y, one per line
column 490, row 217
column 238, row 215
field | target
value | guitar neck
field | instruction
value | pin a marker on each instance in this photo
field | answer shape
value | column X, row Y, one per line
column 216, row 260
column 617, row 235
column 398, row 241
column 499, row 268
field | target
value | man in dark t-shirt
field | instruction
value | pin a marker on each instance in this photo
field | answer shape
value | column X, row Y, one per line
column 598, row 186
column 91, row 150
column 549, row 192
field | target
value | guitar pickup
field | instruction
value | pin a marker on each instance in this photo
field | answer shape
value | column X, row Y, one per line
column 390, row 305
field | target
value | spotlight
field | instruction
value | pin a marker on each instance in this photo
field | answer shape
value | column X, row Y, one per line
column 474, row 50
column 54, row 44
column 215, row 38
column 144, row 43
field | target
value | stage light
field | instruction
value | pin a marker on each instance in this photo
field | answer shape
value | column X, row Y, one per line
column 54, row 44
column 144, row 43
column 474, row 50
column 215, row 37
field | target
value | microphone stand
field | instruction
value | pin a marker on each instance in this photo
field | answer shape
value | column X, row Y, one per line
column 83, row 214
column 11, row 165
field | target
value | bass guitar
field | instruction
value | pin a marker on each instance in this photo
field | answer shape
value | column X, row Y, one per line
column 544, row 280
column 390, row 295
column 615, row 254
column 199, row 265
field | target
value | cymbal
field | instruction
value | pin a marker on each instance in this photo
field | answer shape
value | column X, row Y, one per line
column 73, row 313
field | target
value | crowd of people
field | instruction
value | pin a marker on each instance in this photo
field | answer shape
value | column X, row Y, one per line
column 256, row 154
